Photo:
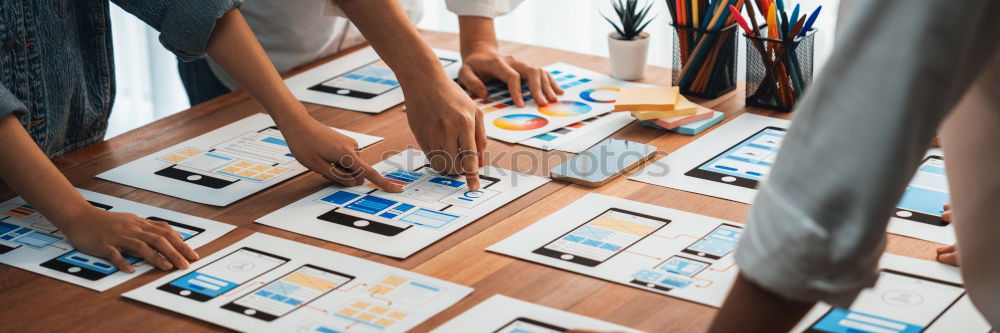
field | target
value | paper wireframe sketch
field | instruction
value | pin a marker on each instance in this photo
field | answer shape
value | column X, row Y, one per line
column 222, row 166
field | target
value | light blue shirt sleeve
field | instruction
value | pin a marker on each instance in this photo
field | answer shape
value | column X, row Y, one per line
column 817, row 227
column 10, row 104
column 184, row 25
column 484, row 8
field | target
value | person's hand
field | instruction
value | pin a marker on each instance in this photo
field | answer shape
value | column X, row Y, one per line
column 110, row 235
column 485, row 63
column 947, row 254
column 448, row 127
column 332, row 154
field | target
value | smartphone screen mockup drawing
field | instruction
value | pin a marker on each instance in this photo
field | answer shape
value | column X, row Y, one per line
column 252, row 156
column 603, row 237
column 527, row 325
column 899, row 302
column 744, row 164
column 92, row 268
column 925, row 196
column 674, row 273
column 13, row 235
column 224, row 274
column 366, row 82
column 718, row 243
column 289, row 292
column 386, row 215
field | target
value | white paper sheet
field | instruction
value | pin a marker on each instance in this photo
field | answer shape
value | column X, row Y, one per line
column 349, row 83
column 587, row 94
column 688, row 257
column 503, row 314
column 912, row 295
column 400, row 224
column 577, row 137
column 269, row 284
column 222, row 166
column 927, row 192
column 30, row 242
column 670, row 171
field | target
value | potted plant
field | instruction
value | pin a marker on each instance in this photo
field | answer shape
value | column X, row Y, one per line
column 628, row 43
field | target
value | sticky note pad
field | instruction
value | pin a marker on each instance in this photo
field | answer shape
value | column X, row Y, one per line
column 647, row 99
column 701, row 125
column 671, row 123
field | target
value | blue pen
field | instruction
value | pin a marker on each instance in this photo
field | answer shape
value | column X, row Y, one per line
column 794, row 18
column 809, row 22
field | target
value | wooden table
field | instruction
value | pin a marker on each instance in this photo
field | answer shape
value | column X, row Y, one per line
column 32, row 302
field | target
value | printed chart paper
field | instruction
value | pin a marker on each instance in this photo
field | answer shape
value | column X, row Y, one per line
column 30, row 242
column 269, row 284
column 587, row 94
column 222, row 166
column 400, row 224
column 578, row 137
column 911, row 295
column 726, row 163
column 502, row 314
column 918, row 213
column 649, row 247
column 359, row 81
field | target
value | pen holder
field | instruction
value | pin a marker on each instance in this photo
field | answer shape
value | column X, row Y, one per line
column 704, row 60
column 778, row 71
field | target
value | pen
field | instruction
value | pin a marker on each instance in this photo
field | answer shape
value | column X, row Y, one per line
column 810, row 21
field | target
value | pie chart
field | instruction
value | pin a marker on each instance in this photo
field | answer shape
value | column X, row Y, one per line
column 520, row 122
column 564, row 109
column 600, row 95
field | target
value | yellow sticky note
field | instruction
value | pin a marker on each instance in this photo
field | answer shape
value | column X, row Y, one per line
column 384, row 322
column 397, row 315
column 647, row 99
column 348, row 312
column 394, row 281
column 378, row 310
column 366, row 317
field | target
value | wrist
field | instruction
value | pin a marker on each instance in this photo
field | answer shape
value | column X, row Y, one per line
column 479, row 47
column 73, row 217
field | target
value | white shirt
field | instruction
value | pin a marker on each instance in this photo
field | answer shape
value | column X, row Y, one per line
column 817, row 227
column 301, row 31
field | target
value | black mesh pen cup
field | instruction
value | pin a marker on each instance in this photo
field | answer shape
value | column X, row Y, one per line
column 705, row 60
column 778, row 71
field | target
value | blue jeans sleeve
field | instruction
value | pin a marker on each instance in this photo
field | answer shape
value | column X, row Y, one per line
column 9, row 104
column 184, row 25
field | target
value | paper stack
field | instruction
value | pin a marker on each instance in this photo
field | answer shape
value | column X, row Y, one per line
column 665, row 108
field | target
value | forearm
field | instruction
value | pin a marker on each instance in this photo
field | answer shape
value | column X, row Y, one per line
column 475, row 33
column 748, row 303
column 395, row 39
column 235, row 48
column 32, row 175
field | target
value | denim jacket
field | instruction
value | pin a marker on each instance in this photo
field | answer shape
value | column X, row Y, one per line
column 57, row 65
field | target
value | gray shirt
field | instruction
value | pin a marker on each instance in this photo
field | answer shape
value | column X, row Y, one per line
column 817, row 227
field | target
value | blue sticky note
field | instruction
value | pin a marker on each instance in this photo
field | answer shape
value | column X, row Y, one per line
column 701, row 125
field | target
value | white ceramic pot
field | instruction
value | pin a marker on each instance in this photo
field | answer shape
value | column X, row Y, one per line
column 628, row 57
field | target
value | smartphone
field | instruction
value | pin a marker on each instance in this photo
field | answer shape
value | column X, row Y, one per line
column 290, row 292
column 675, row 272
column 92, row 268
column 603, row 163
column 366, row 82
column 603, row 237
column 718, row 243
column 744, row 164
column 13, row 236
column 527, row 325
column 385, row 215
column 925, row 196
column 899, row 302
column 224, row 274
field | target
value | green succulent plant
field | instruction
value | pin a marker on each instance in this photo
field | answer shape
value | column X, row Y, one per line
column 632, row 18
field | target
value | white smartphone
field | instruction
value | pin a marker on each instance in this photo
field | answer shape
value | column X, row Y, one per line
column 603, row 163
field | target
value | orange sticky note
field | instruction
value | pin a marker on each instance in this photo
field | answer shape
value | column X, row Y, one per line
column 647, row 99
